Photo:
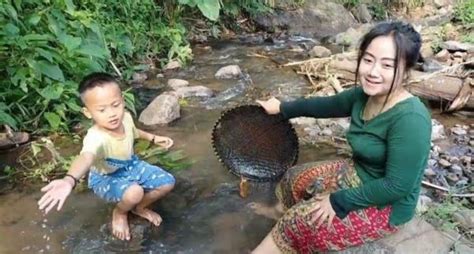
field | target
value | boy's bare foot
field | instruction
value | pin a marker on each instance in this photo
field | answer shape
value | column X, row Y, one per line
column 268, row 211
column 149, row 215
column 120, row 227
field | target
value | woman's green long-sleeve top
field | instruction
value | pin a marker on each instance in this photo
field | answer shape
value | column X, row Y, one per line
column 390, row 151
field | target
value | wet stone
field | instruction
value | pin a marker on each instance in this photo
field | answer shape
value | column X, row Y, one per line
column 452, row 178
column 431, row 162
column 458, row 131
column 456, row 169
column 444, row 163
column 454, row 160
column 429, row 172
column 326, row 132
column 465, row 218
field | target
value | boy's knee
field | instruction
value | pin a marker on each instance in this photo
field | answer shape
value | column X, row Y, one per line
column 133, row 194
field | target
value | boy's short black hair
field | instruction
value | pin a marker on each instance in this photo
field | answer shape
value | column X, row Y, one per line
column 95, row 79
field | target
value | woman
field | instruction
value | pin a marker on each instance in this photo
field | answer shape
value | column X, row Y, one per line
column 370, row 196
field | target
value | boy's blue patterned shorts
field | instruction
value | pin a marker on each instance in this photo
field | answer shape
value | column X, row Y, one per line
column 134, row 171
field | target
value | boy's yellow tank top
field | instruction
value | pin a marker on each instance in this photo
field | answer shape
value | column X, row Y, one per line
column 103, row 145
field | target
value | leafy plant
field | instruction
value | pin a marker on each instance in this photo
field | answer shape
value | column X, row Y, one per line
column 464, row 12
column 442, row 214
column 173, row 161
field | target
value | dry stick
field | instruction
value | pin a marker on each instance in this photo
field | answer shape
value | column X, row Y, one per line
column 115, row 68
column 447, row 69
column 446, row 189
column 308, row 61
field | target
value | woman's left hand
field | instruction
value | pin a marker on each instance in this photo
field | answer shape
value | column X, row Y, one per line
column 164, row 142
column 322, row 210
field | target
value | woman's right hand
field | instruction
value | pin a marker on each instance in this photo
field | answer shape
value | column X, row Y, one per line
column 56, row 193
column 271, row 106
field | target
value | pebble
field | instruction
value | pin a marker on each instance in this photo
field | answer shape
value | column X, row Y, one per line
column 452, row 178
column 454, row 160
column 326, row 132
column 444, row 163
column 465, row 218
column 456, row 169
column 429, row 172
column 459, row 131
column 431, row 162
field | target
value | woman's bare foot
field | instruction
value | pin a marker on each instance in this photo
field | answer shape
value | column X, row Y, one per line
column 149, row 215
column 271, row 212
column 120, row 227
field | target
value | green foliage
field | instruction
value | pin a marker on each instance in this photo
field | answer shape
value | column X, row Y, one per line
column 469, row 38
column 211, row 8
column 378, row 10
column 170, row 160
column 46, row 47
column 442, row 214
column 349, row 3
column 464, row 12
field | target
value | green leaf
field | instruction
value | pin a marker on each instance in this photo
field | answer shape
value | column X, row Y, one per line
column 7, row 119
column 190, row 3
column 12, row 12
column 70, row 5
column 52, row 92
column 34, row 19
column 11, row 29
column 209, row 8
column 46, row 54
column 51, row 70
column 53, row 119
column 73, row 105
column 37, row 37
column 93, row 50
column 70, row 42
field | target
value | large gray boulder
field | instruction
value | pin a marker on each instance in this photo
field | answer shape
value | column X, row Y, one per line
column 316, row 18
column 162, row 110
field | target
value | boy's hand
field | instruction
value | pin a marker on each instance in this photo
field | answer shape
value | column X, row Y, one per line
column 56, row 193
column 271, row 106
column 164, row 142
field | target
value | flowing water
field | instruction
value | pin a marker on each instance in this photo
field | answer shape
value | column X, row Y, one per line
column 204, row 213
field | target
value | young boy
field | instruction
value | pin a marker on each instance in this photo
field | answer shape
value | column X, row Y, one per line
column 116, row 174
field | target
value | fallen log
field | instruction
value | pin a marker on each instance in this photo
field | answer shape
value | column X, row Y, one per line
column 442, row 86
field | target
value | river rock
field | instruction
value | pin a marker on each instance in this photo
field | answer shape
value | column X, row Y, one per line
column 193, row 91
column 326, row 132
column 407, row 240
column 361, row 13
column 431, row 65
column 458, row 131
column 177, row 83
column 315, row 18
column 429, row 172
column 139, row 77
column 423, row 204
column 457, row 46
column 456, row 169
column 349, row 38
column 465, row 218
column 452, row 178
column 437, row 130
column 228, row 72
column 303, row 121
column 444, row 163
column 320, row 51
column 172, row 65
column 162, row 110
column 443, row 55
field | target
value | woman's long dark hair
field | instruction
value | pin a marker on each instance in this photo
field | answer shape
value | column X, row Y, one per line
column 407, row 46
